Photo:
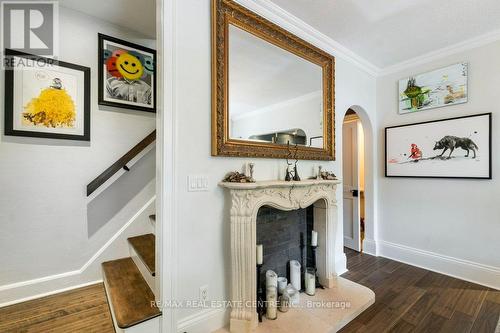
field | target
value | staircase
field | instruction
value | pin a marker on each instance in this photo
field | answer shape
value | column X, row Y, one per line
column 130, row 287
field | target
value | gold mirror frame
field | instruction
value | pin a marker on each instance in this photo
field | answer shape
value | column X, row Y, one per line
column 226, row 12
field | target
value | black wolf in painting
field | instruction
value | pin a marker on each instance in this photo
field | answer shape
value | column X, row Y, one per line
column 452, row 142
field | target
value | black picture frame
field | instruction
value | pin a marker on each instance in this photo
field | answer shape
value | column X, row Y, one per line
column 102, row 38
column 489, row 150
column 9, row 98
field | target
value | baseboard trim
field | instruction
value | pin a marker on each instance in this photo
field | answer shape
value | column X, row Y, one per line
column 53, row 292
column 71, row 273
column 204, row 321
column 459, row 268
column 370, row 247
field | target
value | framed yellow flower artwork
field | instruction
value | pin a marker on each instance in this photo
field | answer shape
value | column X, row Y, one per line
column 46, row 98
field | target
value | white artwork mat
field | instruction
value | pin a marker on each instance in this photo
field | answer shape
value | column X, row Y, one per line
column 399, row 141
column 443, row 87
column 150, row 79
column 31, row 79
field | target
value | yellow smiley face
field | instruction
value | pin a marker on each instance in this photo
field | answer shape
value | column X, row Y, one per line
column 129, row 66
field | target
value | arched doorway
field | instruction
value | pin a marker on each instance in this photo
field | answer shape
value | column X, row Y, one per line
column 357, row 175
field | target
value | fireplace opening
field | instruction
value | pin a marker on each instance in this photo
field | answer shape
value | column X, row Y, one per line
column 281, row 234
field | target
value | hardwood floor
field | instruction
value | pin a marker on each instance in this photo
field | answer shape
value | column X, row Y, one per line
column 411, row 299
column 408, row 299
column 80, row 310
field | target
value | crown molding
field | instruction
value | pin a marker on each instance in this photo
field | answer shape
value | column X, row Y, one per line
column 463, row 46
column 291, row 23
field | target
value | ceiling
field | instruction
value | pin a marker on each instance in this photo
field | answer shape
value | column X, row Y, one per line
column 136, row 15
column 387, row 32
column 383, row 32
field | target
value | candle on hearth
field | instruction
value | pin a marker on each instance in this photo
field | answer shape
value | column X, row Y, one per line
column 293, row 293
column 271, row 303
column 310, row 281
column 260, row 254
column 295, row 274
column 314, row 238
column 271, row 279
column 282, row 283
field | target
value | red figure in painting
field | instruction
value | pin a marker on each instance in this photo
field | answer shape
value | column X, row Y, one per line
column 416, row 153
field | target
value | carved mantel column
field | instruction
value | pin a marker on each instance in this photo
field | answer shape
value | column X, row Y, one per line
column 246, row 199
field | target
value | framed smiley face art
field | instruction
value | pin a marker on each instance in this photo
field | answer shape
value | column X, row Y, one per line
column 127, row 75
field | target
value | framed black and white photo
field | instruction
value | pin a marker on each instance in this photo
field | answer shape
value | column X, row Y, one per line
column 46, row 98
column 448, row 148
column 127, row 75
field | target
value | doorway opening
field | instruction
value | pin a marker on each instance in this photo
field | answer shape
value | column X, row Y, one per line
column 353, row 165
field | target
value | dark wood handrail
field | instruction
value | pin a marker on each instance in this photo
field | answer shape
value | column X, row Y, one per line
column 121, row 163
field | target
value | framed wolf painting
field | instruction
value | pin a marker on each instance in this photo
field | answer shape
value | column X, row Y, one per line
column 448, row 148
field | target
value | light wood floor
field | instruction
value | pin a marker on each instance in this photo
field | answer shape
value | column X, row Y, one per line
column 411, row 299
column 80, row 310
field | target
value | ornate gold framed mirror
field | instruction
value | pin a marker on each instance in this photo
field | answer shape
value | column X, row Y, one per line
column 269, row 89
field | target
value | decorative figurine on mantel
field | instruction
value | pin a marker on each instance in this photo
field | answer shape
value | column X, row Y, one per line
column 237, row 177
column 327, row 175
column 292, row 175
column 295, row 171
column 288, row 173
column 318, row 177
column 251, row 166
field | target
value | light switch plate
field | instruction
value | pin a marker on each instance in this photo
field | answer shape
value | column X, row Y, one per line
column 197, row 183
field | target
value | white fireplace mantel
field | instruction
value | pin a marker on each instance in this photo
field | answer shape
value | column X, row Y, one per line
column 246, row 199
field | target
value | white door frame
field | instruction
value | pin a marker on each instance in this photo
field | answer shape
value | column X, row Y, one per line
column 372, row 144
column 353, row 242
column 166, row 141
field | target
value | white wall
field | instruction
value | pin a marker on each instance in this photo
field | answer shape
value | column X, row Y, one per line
column 449, row 218
column 44, row 229
column 203, row 217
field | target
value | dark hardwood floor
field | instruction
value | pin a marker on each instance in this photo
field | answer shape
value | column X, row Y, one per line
column 408, row 299
column 412, row 299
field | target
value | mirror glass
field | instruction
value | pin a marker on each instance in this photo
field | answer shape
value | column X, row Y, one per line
column 274, row 95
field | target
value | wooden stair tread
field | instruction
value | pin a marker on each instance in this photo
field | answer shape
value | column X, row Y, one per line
column 132, row 300
column 144, row 246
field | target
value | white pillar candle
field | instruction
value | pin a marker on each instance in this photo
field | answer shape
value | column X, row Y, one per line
column 295, row 274
column 271, row 279
column 314, row 238
column 271, row 303
column 310, row 281
column 293, row 293
column 282, row 283
column 260, row 254
column 284, row 302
